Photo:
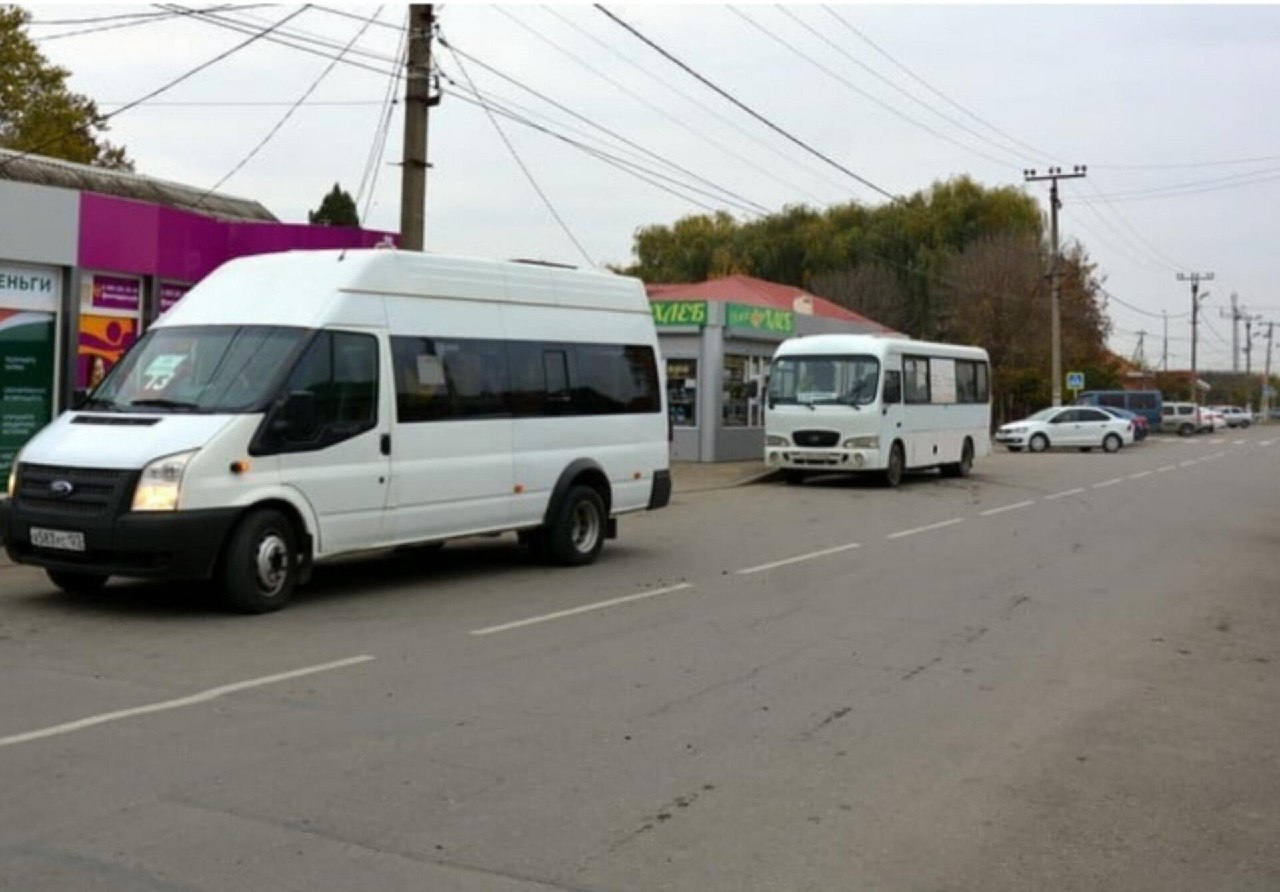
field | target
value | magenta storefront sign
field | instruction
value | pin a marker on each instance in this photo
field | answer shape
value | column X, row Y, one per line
column 116, row 293
column 136, row 237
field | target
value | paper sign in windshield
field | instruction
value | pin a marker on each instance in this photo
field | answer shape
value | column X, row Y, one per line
column 160, row 372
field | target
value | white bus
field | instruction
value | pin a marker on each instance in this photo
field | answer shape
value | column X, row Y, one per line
column 297, row 407
column 863, row 403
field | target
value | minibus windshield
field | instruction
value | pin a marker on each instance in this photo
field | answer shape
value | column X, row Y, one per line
column 205, row 369
column 824, row 380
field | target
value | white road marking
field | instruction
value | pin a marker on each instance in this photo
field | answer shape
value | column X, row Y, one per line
column 924, row 529
column 1065, row 493
column 798, row 558
column 1105, row 483
column 1240, row 442
column 193, row 700
column 1217, row 442
column 1190, row 461
column 585, row 608
column 1266, row 442
column 1004, row 508
column 1166, row 468
column 1140, row 475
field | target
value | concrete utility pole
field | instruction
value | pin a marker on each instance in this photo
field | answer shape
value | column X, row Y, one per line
column 417, row 102
column 1164, row 351
column 1139, row 352
column 1265, row 401
column 1248, row 342
column 1055, row 273
column 1195, row 279
column 1234, row 316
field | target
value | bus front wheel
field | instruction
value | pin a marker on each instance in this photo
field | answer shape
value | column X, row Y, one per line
column 897, row 462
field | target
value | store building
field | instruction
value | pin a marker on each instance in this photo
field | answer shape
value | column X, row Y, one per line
column 717, row 337
column 90, row 257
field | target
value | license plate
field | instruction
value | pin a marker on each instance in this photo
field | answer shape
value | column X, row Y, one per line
column 66, row 540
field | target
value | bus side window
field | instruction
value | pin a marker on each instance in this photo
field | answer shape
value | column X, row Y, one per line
column 892, row 387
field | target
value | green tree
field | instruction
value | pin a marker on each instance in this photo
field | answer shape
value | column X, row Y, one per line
column 38, row 113
column 337, row 208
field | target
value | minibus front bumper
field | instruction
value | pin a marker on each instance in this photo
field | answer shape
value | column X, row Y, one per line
column 144, row 545
column 816, row 459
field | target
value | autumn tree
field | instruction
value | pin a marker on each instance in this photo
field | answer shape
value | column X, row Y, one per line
column 337, row 208
column 38, row 113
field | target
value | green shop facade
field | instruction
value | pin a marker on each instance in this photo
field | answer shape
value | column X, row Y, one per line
column 717, row 338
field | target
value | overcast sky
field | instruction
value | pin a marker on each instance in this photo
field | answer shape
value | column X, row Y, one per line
column 1149, row 97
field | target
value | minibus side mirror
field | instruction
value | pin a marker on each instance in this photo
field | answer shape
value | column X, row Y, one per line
column 298, row 417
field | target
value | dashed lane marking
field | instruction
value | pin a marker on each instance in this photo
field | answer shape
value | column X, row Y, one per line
column 1064, row 494
column 1003, row 508
column 179, row 703
column 1188, row 462
column 1105, row 483
column 1140, row 475
column 924, row 529
column 585, row 608
column 1166, row 468
column 798, row 558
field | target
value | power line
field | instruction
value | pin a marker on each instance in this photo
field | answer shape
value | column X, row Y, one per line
column 1193, row 187
column 306, row 94
column 350, row 15
column 1185, row 165
column 142, row 18
column 752, row 112
column 703, row 107
column 381, row 130
column 1137, row 309
column 654, row 107
column 156, row 92
column 516, row 155
column 884, row 105
column 743, row 202
column 310, row 37
column 932, row 89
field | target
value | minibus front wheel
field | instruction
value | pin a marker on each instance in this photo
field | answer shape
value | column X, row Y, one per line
column 260, row 568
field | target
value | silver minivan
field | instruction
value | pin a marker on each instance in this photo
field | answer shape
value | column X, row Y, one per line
column 1182, row 419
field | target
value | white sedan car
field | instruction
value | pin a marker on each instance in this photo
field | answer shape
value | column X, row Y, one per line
column 1069, row 426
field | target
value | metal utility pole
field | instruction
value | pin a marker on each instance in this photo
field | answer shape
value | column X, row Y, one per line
column 1248, row 343
column 1234, row 316
column 1139, row 352
column 1055, row 273
column 1195, row 279
column 1164, row 351
column 417, row 102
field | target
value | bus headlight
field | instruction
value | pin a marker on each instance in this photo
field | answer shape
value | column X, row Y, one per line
column 161, row 483
column 775, row 440
column 13, row 478
column 872, row 442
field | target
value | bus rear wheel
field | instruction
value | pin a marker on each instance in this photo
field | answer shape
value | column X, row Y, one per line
column 964, row 467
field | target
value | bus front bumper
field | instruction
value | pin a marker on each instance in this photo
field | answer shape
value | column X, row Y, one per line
column 830, row 459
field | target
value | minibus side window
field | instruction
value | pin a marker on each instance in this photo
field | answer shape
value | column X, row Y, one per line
column 892, row 387
column 340, row 370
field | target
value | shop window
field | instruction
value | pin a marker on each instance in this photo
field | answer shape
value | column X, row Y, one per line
column 682, row 392
column 739, row 407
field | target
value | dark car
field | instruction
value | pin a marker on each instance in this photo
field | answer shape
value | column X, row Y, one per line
column 1140, row 428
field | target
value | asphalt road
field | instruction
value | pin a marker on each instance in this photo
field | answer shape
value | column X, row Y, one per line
column 1060, row 674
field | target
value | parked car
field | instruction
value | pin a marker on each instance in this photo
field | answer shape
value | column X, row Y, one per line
column 1182, row 419
column 1140, row 426
column 1082, row 427
column 1236, row 416
column 1211, row 420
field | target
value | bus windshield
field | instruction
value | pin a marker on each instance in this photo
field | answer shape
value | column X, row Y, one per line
column 824, row 380
column 206, row 369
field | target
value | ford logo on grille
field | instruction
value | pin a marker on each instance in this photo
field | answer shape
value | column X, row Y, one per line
column 61, row 488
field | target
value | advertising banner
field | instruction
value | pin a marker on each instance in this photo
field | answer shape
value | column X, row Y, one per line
column 170, row 294
column 30, row 288
column 759, row 318
column 103, row 340
column 26, row 379
column 116, row 293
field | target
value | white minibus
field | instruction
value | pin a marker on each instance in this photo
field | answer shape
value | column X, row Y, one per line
column 296, row 407
column 865, row 403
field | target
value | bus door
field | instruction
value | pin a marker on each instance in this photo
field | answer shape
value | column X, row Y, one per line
column 891, row 408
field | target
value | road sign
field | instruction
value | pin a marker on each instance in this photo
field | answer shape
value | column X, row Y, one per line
column 1075, row 380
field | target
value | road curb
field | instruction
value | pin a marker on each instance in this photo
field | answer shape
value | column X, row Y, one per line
column 766, row 476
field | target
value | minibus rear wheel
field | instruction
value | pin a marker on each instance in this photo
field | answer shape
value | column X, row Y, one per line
column 260, row 569
column 577, row 532
column 74, row 583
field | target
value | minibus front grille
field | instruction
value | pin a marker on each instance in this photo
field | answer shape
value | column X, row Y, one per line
column 93, row 491
column 819, row 439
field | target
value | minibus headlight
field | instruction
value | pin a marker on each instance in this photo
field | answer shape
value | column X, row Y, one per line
column 872, row 442
column 775, row 440
column 161, row 483
column 13, row 478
